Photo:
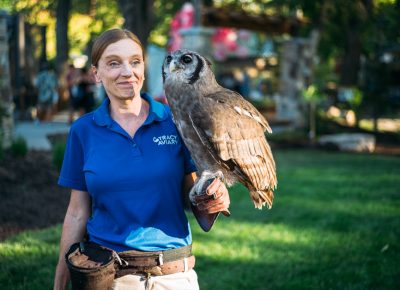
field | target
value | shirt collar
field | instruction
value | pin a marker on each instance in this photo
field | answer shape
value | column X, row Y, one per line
column 157, row 112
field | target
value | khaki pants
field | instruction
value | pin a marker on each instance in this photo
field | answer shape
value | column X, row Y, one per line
column 177, row 281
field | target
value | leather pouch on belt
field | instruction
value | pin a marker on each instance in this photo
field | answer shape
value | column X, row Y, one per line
column 91, row 266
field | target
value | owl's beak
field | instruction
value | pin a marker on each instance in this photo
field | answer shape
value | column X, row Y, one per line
column 172, row 67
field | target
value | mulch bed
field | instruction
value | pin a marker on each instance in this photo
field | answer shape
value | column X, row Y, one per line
column 29, row 195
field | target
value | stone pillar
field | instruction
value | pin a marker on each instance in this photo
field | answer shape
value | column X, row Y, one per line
column 297, row 60
column 6, row 101
column 291, row 83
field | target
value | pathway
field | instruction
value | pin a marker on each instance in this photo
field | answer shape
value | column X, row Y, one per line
column 36, row 133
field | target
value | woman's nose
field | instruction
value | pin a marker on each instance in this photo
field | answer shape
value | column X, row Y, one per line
column 126, row 70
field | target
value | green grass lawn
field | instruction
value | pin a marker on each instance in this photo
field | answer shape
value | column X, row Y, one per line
column 335, row 224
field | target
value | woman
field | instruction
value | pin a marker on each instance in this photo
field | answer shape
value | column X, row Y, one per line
column 128, row 169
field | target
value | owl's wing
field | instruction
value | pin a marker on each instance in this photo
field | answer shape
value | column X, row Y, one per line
column 233, row 131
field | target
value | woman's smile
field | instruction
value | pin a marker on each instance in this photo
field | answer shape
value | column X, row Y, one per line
column 126, row 84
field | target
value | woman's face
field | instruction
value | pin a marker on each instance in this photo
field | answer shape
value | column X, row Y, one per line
column 121, row 69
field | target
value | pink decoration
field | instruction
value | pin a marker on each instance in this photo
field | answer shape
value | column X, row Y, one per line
column 184, row 18
column 225, row 41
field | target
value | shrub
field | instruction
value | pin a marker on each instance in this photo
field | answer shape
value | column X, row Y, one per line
column 58, row 154
column 19, row 147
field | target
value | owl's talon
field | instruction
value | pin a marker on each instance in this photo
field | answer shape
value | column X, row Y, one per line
column 201, row 184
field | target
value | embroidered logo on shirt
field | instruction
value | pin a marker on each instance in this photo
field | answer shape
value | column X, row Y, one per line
column 166, row 140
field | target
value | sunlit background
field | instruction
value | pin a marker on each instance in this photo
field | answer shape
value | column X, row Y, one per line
column 325, row 74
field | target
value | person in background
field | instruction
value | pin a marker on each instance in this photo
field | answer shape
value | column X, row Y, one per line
column 70, row 80
column 47, row 85
column 128, row 170
column 82, row 96
column 85, row 89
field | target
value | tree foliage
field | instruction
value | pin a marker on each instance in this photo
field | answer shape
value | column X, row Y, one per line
column 88, row 18
column 164, row 11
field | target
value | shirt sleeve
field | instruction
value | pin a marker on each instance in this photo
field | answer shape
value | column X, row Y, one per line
column 188, row 161
column 72, row 175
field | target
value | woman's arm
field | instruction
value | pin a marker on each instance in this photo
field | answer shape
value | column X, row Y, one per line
column 73, row 231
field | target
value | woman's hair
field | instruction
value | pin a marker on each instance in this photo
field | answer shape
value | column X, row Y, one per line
column 108, row 37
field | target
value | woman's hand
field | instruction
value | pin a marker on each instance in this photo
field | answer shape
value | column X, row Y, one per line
column 214, row 199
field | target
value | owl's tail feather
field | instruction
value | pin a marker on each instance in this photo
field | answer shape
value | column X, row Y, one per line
column 262, row 198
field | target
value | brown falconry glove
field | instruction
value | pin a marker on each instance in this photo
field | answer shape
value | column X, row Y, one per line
column 209, row 196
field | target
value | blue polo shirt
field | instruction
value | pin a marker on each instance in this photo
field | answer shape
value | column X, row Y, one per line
column 135, row 183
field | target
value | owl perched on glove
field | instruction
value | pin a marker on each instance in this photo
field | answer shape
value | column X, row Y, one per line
column 223, row 132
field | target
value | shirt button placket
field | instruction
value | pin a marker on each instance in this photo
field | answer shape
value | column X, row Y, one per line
column 135, row 149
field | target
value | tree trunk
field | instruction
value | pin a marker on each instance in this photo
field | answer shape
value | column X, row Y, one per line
column 43, row 45
column 62, row 46
column 351, row 63
column 351, row 59
column 208, row 3
column 375, row 117
column 139, row 17
column 89, row 44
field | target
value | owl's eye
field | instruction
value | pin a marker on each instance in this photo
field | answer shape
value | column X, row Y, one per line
column 169, row 58
column 187, row 58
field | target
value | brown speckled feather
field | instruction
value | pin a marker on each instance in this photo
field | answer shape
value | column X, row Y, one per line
column 236, row 137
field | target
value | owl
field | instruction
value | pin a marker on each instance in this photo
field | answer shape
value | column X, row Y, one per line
column 224, row 133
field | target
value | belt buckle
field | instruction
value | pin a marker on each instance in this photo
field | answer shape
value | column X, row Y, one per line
column 156, row 270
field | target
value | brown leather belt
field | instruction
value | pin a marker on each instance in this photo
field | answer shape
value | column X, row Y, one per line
column 165, row 269
column 155, row 263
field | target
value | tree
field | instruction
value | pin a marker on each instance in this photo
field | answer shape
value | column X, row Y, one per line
column 139, row 17
column 62, row 44
column 381, row 63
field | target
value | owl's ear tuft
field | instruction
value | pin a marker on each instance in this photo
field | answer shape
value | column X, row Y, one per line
column 209, row 63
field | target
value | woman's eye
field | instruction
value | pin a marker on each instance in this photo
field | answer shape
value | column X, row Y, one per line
column 187, row 59
column 135, row 62
column 114, row 64
column 169, row 59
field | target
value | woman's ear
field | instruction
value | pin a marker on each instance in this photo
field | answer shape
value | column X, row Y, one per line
column 95, row 73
